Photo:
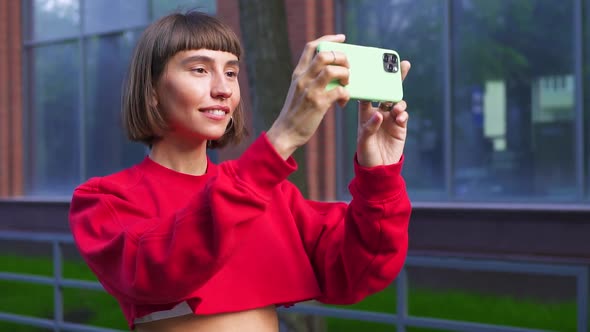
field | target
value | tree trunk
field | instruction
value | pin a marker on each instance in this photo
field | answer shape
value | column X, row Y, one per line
column 263, row 25
column 268, row 59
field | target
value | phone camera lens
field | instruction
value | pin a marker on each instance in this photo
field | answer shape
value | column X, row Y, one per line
column 390, row 67
column 386, row 57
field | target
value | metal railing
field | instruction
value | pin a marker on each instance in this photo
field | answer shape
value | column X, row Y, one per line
column 401, row 319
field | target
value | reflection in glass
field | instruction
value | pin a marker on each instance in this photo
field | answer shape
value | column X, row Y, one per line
column 163, row 7
column 107, row 149
column 513, row 100
column 108, row 15
column 55, row 19
column 414, row 29
column 54, row 158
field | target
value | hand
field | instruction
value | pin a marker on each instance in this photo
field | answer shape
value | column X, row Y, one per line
column 382, row 130
column 307, row 100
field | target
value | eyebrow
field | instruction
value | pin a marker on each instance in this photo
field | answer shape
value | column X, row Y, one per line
column 203, row 58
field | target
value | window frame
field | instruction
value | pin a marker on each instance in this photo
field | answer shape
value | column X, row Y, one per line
column 450, row 201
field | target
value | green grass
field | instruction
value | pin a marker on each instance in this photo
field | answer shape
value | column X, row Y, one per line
column 80, row 306
column 464, row 306
column 98, row 308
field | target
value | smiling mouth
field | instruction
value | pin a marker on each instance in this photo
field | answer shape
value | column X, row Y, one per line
column 215, row 112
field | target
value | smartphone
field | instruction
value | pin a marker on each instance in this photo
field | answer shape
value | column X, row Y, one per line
column 375, row 73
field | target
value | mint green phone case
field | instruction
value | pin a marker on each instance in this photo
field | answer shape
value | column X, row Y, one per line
column 375, row 73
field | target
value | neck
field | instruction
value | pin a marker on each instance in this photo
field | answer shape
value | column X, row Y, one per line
column 181, row 156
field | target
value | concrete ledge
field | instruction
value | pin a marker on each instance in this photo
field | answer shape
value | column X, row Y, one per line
column 491, row 232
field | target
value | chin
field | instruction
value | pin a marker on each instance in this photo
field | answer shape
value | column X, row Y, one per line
column 212, row 137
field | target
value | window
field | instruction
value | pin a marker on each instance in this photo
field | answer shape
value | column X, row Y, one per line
column 513, row 100
column 76, row 56
column 415, row 29
column 492, row 96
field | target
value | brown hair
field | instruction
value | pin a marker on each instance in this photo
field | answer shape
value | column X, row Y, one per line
column 159, row 42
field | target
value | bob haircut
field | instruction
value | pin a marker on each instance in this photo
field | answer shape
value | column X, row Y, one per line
column 169, row 35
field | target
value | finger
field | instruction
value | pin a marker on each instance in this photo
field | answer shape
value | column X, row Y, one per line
column 333, row 58
column 339, row 95
column 399, row 107
column 332, row 73
column 371, row 126
column 402, row 119
column 309, row 51
column 396, row 108
column 327, row 59
column 399, row 114
column 365, row 111
column 406, row 65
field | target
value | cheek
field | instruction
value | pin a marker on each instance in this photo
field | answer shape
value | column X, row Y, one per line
column 236, row 96
column 168, row 95
column 178, row 91
column 184, row 93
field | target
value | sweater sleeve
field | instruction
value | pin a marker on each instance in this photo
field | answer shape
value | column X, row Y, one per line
column 359, row 248
column 146, row 259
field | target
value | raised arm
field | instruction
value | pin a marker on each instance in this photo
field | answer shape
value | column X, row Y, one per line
column 359, row 248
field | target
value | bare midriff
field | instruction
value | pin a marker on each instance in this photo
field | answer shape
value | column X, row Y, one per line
column 255, row 320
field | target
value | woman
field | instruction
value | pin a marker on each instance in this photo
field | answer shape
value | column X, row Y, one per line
column 187, row 245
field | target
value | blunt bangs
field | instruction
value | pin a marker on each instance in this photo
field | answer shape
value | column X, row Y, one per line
column 191, row 31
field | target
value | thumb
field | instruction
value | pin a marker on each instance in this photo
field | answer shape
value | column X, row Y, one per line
column 372, row 125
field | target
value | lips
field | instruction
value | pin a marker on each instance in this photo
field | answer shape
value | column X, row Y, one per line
column 215, row 109
column 215, row 112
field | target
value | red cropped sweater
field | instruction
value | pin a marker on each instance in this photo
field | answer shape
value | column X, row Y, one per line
column 238, row 237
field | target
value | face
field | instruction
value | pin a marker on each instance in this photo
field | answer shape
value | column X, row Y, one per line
column 198, row 92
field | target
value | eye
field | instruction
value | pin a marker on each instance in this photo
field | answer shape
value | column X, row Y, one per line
column 232, row 74
column 199, row 70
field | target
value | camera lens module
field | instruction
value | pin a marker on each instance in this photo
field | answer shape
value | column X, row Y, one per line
column 390, row 63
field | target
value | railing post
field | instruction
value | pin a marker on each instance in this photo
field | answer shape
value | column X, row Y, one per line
column 58, row 313
column 402, row 300
column 583, row 285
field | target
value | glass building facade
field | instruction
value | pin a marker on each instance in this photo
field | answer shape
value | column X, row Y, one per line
column 497, row 96
column 76, row 58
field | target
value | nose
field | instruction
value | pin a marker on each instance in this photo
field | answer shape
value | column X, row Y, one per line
column 220, row 88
